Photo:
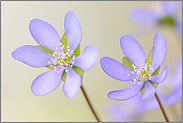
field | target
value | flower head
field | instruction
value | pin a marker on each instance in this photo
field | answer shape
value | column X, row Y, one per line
column 142, row 70
column 59, row 57
column 161, row 13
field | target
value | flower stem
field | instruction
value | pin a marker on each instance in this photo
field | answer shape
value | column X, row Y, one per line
column 84, row 93
column 161, row 107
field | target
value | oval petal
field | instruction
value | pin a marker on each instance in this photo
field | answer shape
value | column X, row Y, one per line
column 87, row 58
column 162, row 76
column 32, row 56
column 126, row 93
column 159, row 50
column 72, row 83
column 46, row 83
column 143, row 16
column 132, row 49
column 171, row 7
column 44, row 34
column 73, row 30
column 115, row 69
column 179, row 28
column 177, row 74
column 149, row 91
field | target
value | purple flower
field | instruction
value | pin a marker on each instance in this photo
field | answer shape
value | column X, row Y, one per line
column 179, row 28
column 62, row 58
column 130, row 110
column 142, row 73
column 170, row 91
column 162, row 13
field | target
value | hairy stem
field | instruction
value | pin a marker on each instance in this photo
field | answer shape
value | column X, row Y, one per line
column 88, row 101
column 162, row 109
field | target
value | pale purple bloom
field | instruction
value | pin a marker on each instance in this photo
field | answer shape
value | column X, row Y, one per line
column 179, row 28
column 47, row 37
column 141, row 75
column 130, row 110
column 164, row 12
column 170, row 91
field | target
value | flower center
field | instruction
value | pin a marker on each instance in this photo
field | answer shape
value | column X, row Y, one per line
column 143, row 73
column 62, row 60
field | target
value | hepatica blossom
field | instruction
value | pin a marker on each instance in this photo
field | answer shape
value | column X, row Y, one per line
column 170, row 91
column 161, row 13
column 128, row 111
column 143, row 72
column 58, row 57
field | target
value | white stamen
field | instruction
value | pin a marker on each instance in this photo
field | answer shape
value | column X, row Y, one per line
column 141, row 73
column 73, row 57
column 62, row 59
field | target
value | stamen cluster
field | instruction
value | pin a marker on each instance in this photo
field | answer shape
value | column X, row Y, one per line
column 143, row 73
column 62, row 60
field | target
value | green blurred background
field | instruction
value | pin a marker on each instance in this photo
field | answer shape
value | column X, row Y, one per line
column 103, row 24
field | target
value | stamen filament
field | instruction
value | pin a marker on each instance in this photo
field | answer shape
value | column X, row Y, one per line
column 61, row 60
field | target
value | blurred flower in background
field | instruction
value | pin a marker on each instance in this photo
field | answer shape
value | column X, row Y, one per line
column 126, row 111
column 170, row 92
column 165, row 13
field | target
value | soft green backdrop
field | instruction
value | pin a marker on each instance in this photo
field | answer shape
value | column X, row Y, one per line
column 103, row 23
